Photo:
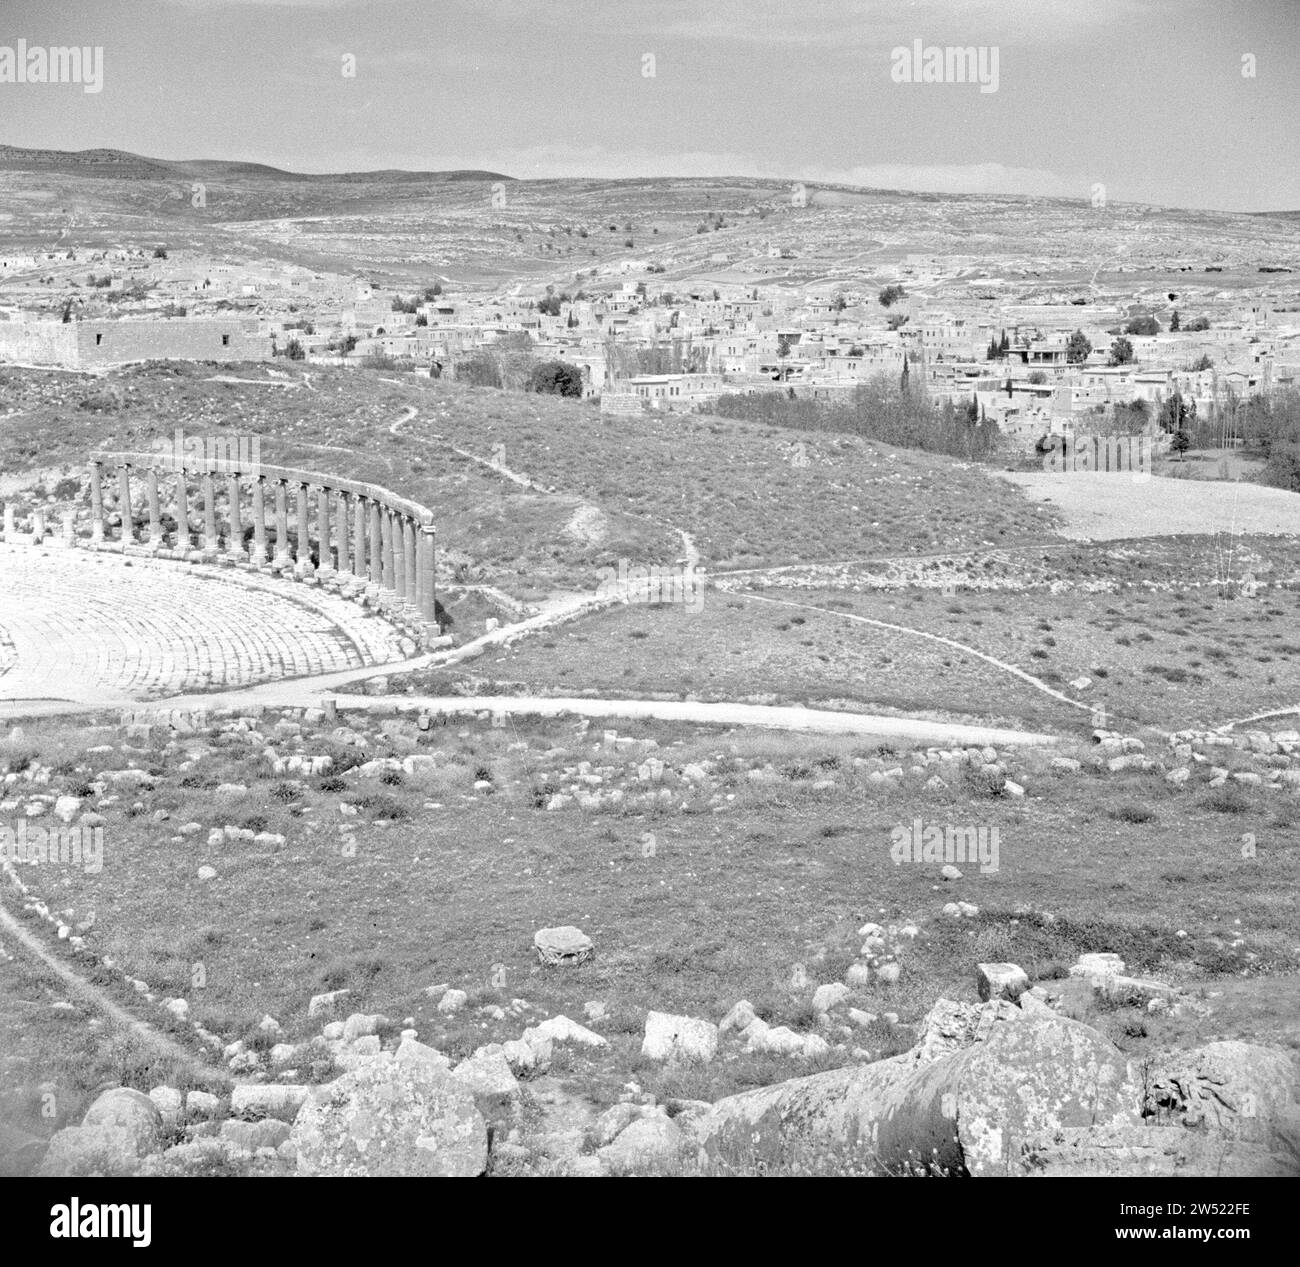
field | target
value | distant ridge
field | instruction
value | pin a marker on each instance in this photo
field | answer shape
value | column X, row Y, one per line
column 121, row 164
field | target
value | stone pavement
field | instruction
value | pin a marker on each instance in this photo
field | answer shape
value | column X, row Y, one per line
column 99, row 629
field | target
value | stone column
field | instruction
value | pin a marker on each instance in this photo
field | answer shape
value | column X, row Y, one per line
column 96, row 503
column 386, row 572
column 375, row 541
column 210, row 543
column 341, row 532
column 282, row 559
column 325, row 563
column 155, row 509
column 11, row 527
column 408, row 555
column 398, row 543
column 359, row 552
column 124, row 504
column 426, row 574
column 259, row 522
column 182, row 512
column 235, row 540
column 38, row 525
column 302, row 555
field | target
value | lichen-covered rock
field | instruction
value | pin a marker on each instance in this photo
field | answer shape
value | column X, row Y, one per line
column 131, row 1111
column 1091, row 1151
column 391, row 1118
column 959, row 1110
column 488, row 1074
column 1232, row 1089
column 970, row 1112
column 648, row 1144
column 88, row 1151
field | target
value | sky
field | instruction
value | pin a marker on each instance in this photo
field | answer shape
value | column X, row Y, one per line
column 1158, row 101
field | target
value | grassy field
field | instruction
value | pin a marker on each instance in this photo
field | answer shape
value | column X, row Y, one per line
column 711, row 894
column 1159, row 658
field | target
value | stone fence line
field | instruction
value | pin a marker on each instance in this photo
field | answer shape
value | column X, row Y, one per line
column 358, row 538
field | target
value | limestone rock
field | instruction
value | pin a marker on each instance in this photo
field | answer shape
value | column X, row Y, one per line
column 391, row 1119
column 1000, row 981
column 648, row 1144
column 739, row 1018
column 826, row 997
column 327, row 1004
column 669, row 1037
column 561, row 1029
column 563, row 945
column 131, row 1111
column 486, row 1074
column 84, row 1151
column 1234, row 1090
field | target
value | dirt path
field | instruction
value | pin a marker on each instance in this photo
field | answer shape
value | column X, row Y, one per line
column 93, row 995
column 1028, row 678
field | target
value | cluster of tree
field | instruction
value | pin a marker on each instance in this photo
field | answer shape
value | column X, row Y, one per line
column 1121, row 352
column 885, row 409
column 676, row 356
column 404, row 305
column 1078, row 348
column 98, row 283
column 1197, row 324
column 1143, row 325
column 998, row 348
column 891, row 295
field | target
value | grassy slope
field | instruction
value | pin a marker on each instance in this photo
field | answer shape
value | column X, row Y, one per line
column 721, row 909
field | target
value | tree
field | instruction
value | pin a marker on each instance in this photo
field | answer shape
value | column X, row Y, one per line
column 1077, row 348
column 993, row 352
column 160, row 253
column 1175, row 323
column 1004, row 345
column 293, row 350
column 1037, row 377
column 556, row 378
column 1180, row 442
column 891, row 295
column 905, row 376
column 1121, row 352
column 1178, row 413
column 1202, row 362
column 1143, row 325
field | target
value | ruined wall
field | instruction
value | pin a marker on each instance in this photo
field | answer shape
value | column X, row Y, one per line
column 183, row 338
column 38, row 342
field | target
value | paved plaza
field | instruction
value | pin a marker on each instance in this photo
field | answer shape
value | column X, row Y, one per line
column 97, row 628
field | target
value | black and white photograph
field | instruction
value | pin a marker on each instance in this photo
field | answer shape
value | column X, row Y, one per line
column 681, row 589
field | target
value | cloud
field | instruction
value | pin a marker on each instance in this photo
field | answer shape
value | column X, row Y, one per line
column 843, row 25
